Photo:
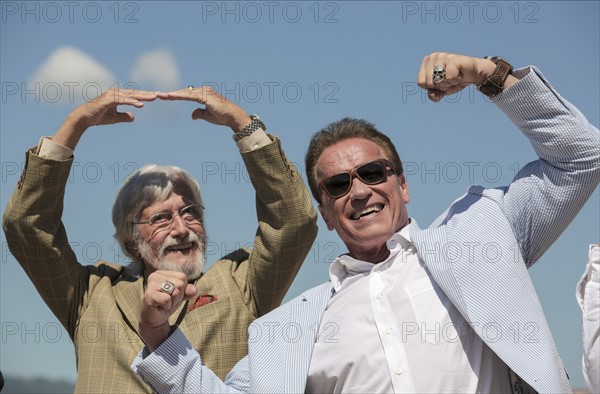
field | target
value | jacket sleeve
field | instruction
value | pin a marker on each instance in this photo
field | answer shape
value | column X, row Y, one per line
column 175, row 367
column 37, row 238
column 547, row 194
column 286, row 227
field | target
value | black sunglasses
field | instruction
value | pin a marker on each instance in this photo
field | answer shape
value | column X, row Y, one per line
column 372, row 173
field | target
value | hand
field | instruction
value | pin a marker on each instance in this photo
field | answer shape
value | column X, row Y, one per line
column 100, row 111
column 217, row 109
column 157, row 306
column 461, row 71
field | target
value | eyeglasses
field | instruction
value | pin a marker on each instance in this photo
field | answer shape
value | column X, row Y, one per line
column 191, row 214
column 372, row 173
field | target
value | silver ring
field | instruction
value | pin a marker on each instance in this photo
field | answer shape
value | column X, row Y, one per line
column 190, row 88
column 167, row 287
column 439, row 74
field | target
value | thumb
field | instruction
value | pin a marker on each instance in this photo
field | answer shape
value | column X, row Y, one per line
column 190, row 291
column 199, row 113
column 121, row 117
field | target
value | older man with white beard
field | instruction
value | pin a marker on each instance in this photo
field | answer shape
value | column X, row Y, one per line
column 159, row 220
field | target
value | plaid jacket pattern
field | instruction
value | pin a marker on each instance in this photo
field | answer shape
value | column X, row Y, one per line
column 99, row 304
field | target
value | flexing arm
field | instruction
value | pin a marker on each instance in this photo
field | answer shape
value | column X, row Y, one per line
column 546, row 194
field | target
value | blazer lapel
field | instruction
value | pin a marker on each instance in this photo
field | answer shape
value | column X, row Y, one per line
column 128, row 295
column 281, row 342
column 306, row 315
column 487, row 280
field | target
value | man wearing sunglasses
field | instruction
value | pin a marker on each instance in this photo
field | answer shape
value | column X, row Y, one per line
column 159, row 221
column 411, row 309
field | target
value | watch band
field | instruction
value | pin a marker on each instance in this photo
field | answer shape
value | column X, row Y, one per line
column 254, row 125
column 494, row 84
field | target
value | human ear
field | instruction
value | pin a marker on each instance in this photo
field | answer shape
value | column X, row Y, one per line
column 325, row 218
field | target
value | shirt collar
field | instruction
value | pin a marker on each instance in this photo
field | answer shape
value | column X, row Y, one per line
column 345, row 267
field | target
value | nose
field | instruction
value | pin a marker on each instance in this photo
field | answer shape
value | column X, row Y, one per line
column 359, row 190
column 178, row 228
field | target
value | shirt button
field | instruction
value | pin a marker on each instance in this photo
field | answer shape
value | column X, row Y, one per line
column 378, row 296
column 398, row 371
column 388, row 331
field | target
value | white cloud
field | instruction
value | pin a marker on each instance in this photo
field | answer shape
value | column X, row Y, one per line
column 156, row 70
column 70, row 75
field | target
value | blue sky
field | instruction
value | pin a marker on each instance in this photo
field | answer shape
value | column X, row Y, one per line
column 299, row 65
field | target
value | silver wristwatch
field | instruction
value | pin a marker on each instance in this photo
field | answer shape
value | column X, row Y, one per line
column 251, row 128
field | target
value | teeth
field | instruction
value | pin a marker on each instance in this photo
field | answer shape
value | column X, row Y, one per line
column 372, row 209
column 179, row 247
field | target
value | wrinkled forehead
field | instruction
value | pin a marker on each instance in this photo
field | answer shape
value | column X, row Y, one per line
column 345, row 155
column 174, row 186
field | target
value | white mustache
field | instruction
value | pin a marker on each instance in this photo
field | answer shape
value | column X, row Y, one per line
column 190, row 238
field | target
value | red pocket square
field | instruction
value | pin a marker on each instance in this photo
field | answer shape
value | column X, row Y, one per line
column 201, row 301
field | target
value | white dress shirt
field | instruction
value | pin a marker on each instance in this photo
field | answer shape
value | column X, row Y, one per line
column 588, row 296
column 389, row 328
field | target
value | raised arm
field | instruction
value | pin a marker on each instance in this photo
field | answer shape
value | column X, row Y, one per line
column 547, row 193
column 286, row 216
column 32, row 221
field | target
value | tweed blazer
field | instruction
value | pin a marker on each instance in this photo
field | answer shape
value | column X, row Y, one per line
column 99, row 304
column 478, row 252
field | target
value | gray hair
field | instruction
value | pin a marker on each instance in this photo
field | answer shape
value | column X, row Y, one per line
column 150, row 184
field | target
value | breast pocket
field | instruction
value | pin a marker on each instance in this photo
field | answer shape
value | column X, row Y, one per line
column 438, row 320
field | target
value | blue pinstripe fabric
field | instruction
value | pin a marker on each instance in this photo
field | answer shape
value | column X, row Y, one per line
column 510, row 226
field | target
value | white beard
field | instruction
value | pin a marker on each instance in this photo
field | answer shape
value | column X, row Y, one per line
column 192, row 268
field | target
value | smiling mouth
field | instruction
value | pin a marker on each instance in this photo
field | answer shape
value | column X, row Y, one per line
column 182, row 248
column 367, row 211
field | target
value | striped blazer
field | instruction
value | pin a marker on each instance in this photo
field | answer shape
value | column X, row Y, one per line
column 517, row 223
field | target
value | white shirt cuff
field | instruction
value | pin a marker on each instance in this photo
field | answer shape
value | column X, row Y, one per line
column 49, row 149
column 254, row 141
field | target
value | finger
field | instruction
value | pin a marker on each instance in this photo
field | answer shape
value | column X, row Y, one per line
column 129, row 96
column 138, row 94
column 425, row 77
column 435, row 95
column 179, row 281
column 158, row 278
column 454, row 75
column 159, row 300
column 422, row 76
column 155, row 306
column 131, row 101
column 189, row 94
column 190, row 291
